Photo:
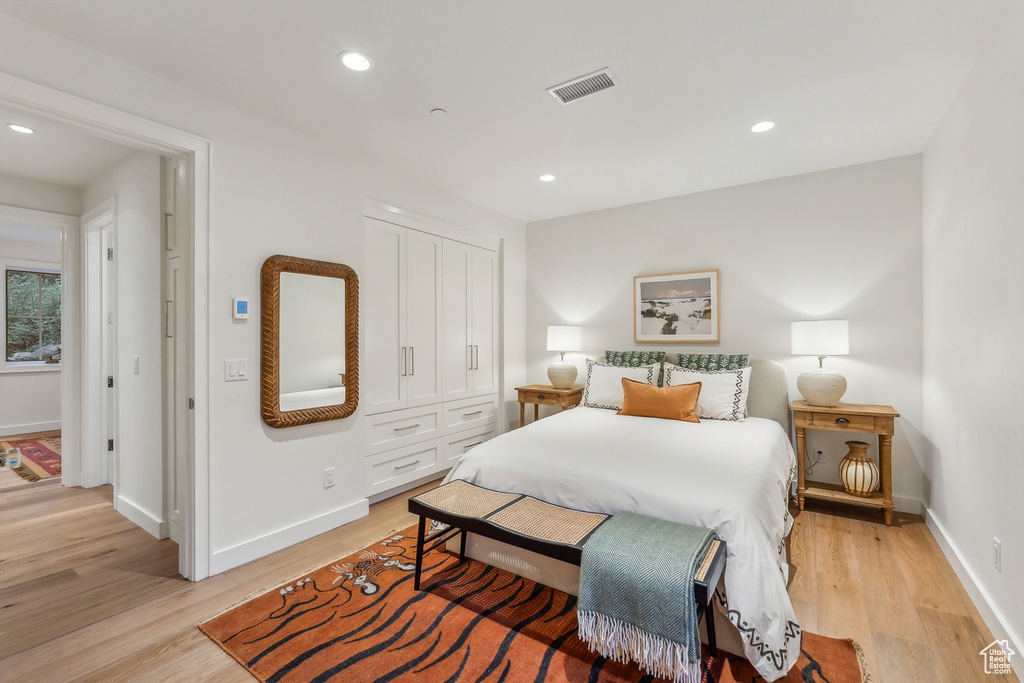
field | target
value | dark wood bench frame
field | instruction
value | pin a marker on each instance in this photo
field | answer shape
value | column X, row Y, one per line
column 703, row 587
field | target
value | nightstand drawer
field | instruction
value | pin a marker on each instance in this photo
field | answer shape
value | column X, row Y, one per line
column 540, row 397
column 842, row 421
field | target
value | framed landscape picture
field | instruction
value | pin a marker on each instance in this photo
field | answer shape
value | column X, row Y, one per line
column 677, row 307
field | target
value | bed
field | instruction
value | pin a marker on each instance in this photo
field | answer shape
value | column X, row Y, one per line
column 731, row 477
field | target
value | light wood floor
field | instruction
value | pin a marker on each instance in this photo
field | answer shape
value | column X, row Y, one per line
column 87, row 596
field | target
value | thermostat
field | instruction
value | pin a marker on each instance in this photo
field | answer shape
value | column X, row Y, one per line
column 240, row 308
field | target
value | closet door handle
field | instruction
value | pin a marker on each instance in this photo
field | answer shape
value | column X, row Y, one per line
column 470, row 359
column 412, row 360
column 476, row 357
column 404, row 357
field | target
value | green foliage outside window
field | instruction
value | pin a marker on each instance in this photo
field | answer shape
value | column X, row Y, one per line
column 33, row 316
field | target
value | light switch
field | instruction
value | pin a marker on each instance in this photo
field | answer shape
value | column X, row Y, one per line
column 236, row 370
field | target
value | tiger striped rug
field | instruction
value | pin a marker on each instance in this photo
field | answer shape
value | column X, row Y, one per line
column 359, row 619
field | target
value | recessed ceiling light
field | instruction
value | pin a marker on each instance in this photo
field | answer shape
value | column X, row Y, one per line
column 356, row 61
column 18, row 128
column 762, row 126
column 547, row 178
column 438, row 113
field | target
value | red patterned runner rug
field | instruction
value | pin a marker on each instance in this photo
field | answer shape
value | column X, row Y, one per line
column 41, row 455
column 359, row 619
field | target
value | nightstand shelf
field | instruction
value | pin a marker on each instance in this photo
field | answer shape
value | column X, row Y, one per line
column 852, row 418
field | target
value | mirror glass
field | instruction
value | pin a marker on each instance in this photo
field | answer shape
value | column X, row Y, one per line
column 310, row 355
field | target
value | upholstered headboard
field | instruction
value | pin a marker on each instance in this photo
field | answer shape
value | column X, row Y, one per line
column 769, row 392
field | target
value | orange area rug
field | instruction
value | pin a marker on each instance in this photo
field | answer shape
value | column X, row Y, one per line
column 359, row 619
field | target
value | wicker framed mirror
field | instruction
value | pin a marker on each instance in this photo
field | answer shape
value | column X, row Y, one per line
column 309, row 334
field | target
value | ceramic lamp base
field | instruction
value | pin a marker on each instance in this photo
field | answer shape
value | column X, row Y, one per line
column 562, row 374
column 821, row 387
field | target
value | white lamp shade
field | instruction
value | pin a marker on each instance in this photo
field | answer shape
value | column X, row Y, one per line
column 820, row 338
column 565, row 338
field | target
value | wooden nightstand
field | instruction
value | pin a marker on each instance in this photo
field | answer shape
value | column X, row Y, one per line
column 846, row 417
column 546, row 395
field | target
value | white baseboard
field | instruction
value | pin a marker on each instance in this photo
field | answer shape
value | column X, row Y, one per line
column 990, row 614
column 914, row 506
column 141, row 518
column 32, row 428
column 222, row 560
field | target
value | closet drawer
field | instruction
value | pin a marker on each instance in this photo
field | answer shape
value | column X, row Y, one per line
column 469, row 413
column 460, row 443
column 393, row 468
column 385, row 431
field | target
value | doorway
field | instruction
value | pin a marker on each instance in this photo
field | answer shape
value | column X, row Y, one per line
column 193, row 153
column 30, row 397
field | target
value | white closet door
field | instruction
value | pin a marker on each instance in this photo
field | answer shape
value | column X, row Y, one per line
column 484, row 317
column 382, row 289
column 423, row 318
column 458, row 353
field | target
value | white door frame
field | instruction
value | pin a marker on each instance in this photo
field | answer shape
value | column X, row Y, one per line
column 132, row 131
column 93, row 452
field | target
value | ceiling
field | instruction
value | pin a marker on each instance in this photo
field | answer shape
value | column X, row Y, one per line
column 56, row 153
column 847, row 81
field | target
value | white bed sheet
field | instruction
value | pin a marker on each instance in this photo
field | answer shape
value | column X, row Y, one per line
column 732, row 477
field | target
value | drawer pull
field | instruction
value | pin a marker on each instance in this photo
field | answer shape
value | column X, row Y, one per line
column 541, row 397
column 408, row 464
column 402, row 429
column 842, row 421
column 472, row 445
column 475, row 412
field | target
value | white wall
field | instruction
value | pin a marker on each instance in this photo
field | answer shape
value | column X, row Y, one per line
column 29, row 398
column 844, row 243
column 973, row 331
column 32, row 194
column 135, row 183
column 272, row 191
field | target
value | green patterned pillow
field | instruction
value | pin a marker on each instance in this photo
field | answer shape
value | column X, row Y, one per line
column 713, row 361
column 634, row 359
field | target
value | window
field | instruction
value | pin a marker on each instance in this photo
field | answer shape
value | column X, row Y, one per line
column 33, row 316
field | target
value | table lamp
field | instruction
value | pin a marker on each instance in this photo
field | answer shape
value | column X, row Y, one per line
column 563, row 338
column 820, row 386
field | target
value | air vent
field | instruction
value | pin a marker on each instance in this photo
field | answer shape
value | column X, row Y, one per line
column 577, row 88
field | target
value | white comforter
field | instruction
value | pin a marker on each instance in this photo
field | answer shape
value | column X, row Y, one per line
column 732, row 477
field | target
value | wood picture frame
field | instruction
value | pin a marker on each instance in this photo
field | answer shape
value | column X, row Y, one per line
column 677, row 307
column 270, row 342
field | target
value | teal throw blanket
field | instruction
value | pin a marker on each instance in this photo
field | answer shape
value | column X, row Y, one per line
column 636, row 594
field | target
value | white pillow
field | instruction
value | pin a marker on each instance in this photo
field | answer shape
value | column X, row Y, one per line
column 723, row 393
column 604, row 383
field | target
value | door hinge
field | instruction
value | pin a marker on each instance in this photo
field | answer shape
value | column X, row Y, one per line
column 110, row 444
column 110, row 253
column 191, row 404
column 110, row 381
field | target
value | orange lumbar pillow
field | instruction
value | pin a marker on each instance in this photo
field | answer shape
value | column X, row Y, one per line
column 671, row 403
